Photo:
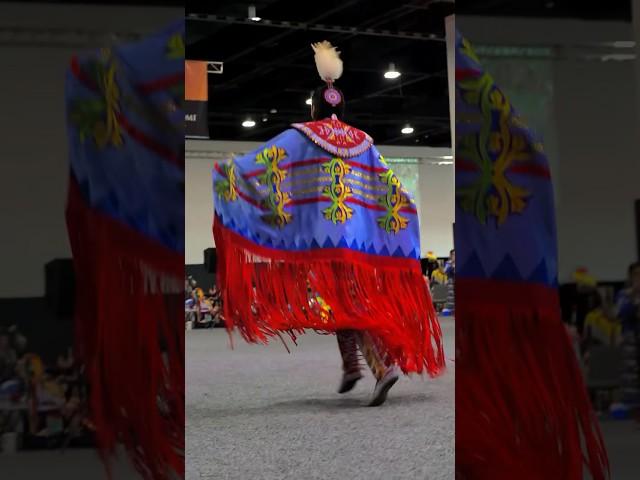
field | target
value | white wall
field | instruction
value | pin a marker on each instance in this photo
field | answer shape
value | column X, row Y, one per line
column 436, row 207
column 33, row 145
column 599, row 167
column 597, row 172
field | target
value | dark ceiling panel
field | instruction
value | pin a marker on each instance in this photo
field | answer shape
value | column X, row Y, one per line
column 269, row 68
column 577, row 9
column 139, row 3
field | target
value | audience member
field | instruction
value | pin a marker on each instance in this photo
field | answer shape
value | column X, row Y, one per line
column 432, row 263
column 450, row 266
column 438, row 276
column 586, row 287
column 601, row 327
column 628, row 312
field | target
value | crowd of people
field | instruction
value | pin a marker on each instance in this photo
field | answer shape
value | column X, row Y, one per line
column 601, row 319
column 202, row 310
column 41, row 404
column 440, row 273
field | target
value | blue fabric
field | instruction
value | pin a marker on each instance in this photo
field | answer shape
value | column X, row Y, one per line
column 307, row 226
column 627, row 311
column 127, row 179
column 505, row 221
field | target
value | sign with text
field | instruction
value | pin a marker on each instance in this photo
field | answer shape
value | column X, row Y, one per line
column 196, row 97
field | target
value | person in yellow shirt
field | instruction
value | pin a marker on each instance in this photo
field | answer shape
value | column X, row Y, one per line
column 439, row 276
column 600, row 325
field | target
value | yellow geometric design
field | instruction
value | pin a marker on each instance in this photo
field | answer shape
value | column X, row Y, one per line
column 393, row 201
column 493, row 194
column 273, row 177
column 226, row 187
column 338, row 192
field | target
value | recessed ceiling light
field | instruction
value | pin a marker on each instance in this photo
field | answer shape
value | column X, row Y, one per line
column 273, row 110
column 624, row 44
column 308, row 101
column 248, row 123
column 252, row 14
column 264, row 119
column 407, row 130
column 392, row 72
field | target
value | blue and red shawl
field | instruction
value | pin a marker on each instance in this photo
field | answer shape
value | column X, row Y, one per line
column 125, row 216
column 522, row 410
column 316, row 211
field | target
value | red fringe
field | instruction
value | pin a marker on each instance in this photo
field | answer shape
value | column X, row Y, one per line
column 522, row 409
column 265, row 292
column 130, row 338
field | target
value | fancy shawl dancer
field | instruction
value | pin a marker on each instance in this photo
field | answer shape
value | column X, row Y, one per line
column 315, row 231
column 523, row 411
column 125, row 217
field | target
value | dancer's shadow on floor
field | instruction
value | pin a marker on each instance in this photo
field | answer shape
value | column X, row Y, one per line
column 333, row 405
column 340, row 403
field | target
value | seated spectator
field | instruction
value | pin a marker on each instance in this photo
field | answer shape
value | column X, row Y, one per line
column 438, row 276
column 628, row 312
column 8, row 357
column 586, row 286
column 628, row 302
column 432, row 263
column 601, row 327
column 450, row 266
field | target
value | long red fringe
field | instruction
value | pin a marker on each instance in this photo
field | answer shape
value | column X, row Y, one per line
column 130, row 338
column 265, row 292
column 522, row 409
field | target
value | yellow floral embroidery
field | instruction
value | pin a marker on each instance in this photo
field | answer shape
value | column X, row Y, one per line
column 393, row 201
column 273, row 177
column 338, row 192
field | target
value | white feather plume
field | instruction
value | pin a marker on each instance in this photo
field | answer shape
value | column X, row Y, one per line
column 328, row 61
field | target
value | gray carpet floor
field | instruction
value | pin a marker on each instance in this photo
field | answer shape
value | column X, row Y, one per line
column 622, row 439
column 72, row 464
column 260, row 413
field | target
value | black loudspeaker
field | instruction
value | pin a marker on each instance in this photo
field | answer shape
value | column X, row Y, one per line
column 638, row 229
column 210, row 260
column 424, row 265
column 60, row 286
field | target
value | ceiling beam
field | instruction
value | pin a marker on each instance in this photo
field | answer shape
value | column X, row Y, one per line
column 372, row 22
column 397, row 86
column 276, row 38
column 299, row 26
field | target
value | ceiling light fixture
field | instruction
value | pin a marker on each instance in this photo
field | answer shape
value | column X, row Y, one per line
column 248, row 123
column 407, row 130
column 273, row 110
column 252, row 14
column 308, row 101
column 624, row 44
column 392, row 73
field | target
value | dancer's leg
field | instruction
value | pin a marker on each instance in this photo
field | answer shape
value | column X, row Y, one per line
column 348, row 345
column 385, row 372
